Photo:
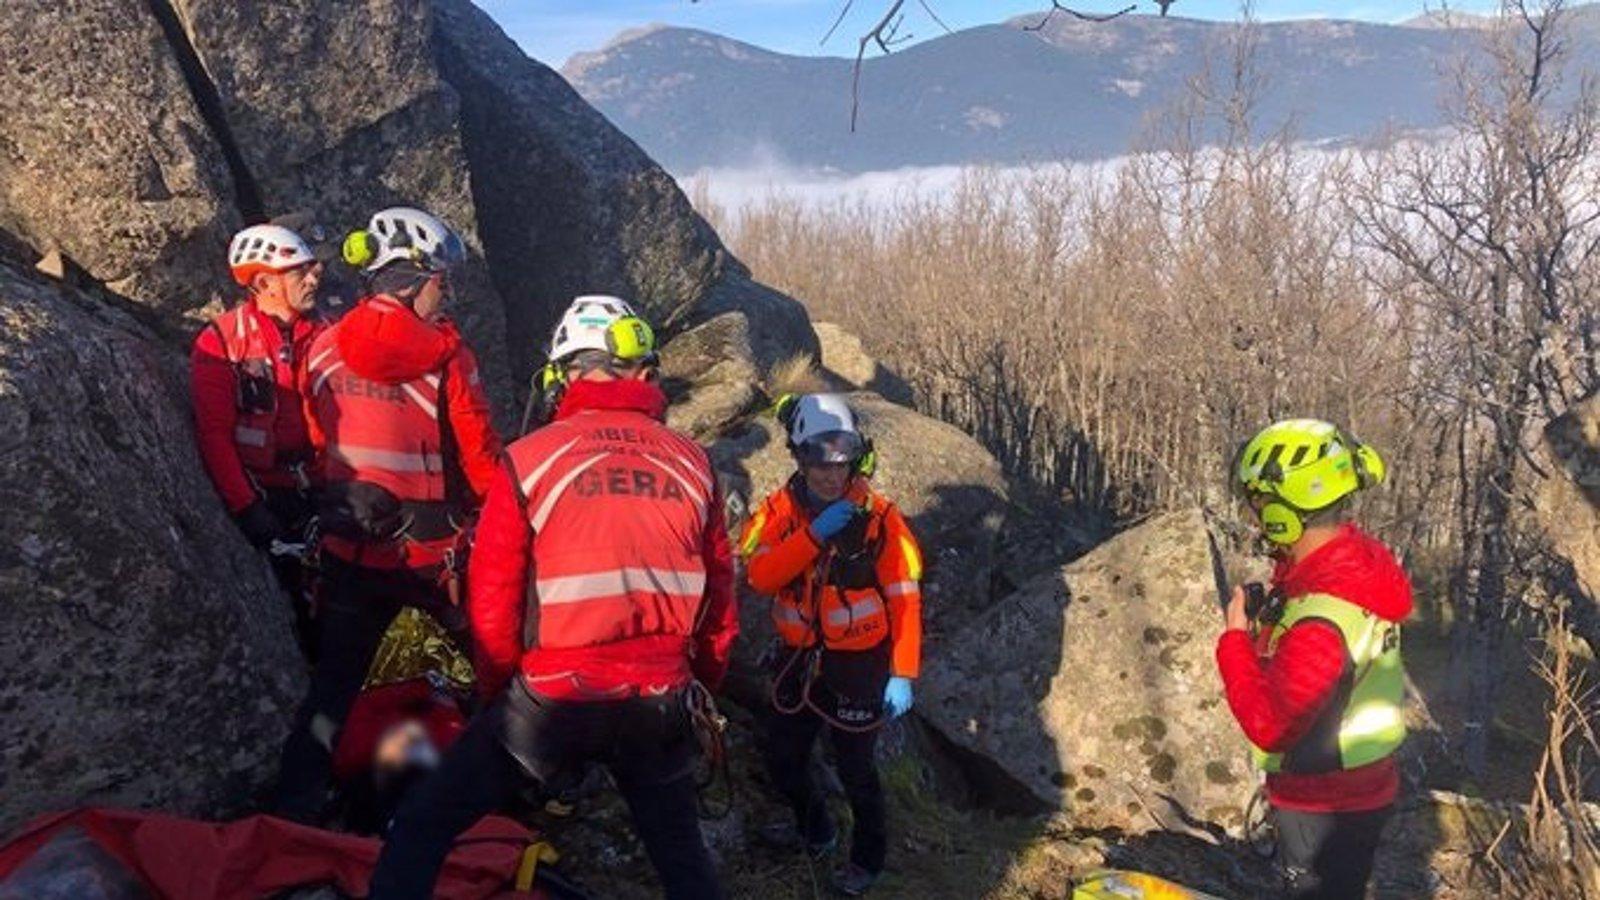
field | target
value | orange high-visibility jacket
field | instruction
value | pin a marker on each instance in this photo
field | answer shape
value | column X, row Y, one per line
column 850, row 601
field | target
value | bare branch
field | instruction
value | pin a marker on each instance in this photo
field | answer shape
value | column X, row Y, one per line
column 927, row 8
column 1055, row 7
column 885, row 34
column 844, row 11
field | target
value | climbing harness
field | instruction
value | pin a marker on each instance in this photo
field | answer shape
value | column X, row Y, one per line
column 813, row 667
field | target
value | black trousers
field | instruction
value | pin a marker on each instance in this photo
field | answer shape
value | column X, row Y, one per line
column 849, row 687
column 647, row 743
column 356, row 606
column 294, row 510
column 1328, row 856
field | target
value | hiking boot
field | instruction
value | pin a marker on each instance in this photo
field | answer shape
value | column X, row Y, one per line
column 785, row 836
column 852, row 881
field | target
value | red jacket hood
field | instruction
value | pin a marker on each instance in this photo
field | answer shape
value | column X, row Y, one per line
column 1353, row 566
column 383, row 340
column 623, row 394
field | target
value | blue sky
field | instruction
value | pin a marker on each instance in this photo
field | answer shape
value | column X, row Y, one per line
column 552, row 30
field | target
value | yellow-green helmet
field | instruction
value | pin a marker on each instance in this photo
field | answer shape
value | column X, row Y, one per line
column 1305, row 465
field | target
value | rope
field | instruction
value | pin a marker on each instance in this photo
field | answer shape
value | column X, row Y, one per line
column 710, row 727
column 814, row 666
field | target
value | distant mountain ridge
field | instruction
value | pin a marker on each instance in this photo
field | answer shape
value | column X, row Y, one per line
column 1000, row 94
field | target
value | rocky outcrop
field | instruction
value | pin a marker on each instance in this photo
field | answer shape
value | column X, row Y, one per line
column 145, row 655
column 568, row 205
column 340, row 110
column 1569, row 508
column 847, row 362
column 105, row 155
column 189, row 117
column 711, row 375
column 950, row 489
column 1092, row 688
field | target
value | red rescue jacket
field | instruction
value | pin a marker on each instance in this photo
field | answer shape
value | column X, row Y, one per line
column 395, row 401
column 617, row 522
column 1277, row 699
column 247, row 448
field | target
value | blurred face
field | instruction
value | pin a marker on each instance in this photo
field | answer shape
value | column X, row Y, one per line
column 403, row 746
column 289, row 293
column 828, row 481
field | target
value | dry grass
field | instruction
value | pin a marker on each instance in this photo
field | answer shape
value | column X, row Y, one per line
column 1109, row 340
column 1557, row 855
column 796, row 375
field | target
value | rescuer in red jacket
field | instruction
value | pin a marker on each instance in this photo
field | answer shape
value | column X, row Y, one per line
column 601, row 589
column 407, row 452
column 250, row 425
column 1313, row 674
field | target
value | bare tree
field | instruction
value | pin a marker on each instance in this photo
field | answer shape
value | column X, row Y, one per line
column 1496, row 237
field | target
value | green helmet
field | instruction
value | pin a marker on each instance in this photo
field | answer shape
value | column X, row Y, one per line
column 1305, row 466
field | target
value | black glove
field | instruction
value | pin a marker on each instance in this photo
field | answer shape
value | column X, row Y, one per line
column 259, row 524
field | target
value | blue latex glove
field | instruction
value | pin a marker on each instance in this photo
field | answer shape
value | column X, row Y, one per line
column 897, row 696
column 832, row 520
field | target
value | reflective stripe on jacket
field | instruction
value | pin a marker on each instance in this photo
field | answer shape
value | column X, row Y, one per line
column 259, row 443
column 851, row 593
column 618, row 506
column 396, row 402
column 1365, row 720
column 386, row 434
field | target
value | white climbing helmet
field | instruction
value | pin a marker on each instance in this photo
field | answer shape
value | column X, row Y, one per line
column 823, row 430
column 266, row 248
column 404, row 233
column 586, row 323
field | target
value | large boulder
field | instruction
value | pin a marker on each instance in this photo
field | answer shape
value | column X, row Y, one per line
column 1568, row 505
column 711, row 375
column 949, row 488
column 847, row 362
column 338, row 111
column 569, row 205
column 105, row 155
column 146, row 656
column 189, row 117
column 1092, row 688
